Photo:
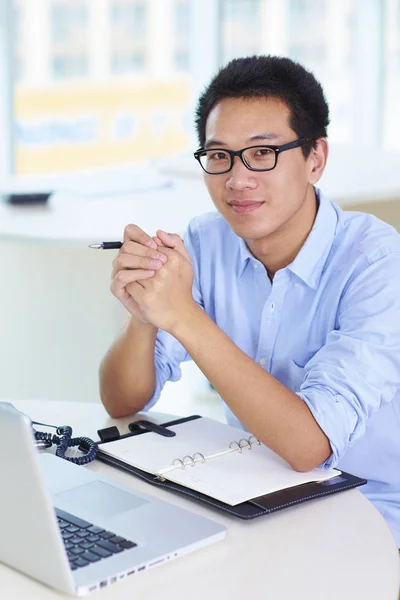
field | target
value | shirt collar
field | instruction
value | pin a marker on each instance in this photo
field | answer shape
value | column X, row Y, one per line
column 309, row 262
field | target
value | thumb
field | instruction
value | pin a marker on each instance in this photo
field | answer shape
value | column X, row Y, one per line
column 173, row 240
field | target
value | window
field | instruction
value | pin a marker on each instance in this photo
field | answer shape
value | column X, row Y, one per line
column 128, row 36
column 100, row 83
column 68, row 34
column 240, row 28
column 181, row 34
column 391, row 78
column 318, row 34
column 88, row 95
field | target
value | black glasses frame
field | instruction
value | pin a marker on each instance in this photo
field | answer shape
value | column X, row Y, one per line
column 232, row 153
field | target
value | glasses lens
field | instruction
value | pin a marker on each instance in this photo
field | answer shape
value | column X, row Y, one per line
column 260, row 157
column 215, row 161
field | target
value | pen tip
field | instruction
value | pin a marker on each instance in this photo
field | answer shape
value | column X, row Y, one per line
column 94, row 246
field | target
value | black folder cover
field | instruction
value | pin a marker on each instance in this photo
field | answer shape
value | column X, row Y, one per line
column 256, row 507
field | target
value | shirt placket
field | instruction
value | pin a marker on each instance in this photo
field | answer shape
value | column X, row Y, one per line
column 270, row 320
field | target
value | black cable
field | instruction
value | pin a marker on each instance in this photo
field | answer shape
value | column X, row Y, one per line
column 66, row 441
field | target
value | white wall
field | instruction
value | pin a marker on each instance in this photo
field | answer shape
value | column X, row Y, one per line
column 57, row 318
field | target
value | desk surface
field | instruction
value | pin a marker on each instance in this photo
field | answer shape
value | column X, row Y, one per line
column 336, row 547
column 81, row 220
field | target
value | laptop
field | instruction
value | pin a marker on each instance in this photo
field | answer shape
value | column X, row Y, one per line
column 77, row 531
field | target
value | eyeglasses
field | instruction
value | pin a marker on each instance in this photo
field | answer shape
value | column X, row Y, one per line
column 256, row 158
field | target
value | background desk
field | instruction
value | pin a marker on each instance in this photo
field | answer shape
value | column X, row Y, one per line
column 336, row 548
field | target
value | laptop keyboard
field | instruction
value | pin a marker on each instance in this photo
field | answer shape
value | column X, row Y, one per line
column 86, row 543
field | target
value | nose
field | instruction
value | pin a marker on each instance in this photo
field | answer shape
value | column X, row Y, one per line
column 240, row 177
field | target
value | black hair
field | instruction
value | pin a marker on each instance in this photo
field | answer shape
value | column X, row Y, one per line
column 274, row 77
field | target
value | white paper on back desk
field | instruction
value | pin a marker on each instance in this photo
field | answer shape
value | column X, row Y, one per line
column 229, row 473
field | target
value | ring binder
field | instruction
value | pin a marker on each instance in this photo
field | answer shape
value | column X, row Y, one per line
column 256, row 483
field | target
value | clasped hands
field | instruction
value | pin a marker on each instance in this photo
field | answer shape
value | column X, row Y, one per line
column 153, row 277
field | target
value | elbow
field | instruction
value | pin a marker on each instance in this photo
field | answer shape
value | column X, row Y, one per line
column 120, row 405
column 307, row 461
column 117, row 412
column 304, row 465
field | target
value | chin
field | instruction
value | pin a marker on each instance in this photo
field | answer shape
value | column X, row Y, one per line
column 251, row 232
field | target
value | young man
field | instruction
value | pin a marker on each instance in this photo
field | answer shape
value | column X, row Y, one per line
column 289, row 306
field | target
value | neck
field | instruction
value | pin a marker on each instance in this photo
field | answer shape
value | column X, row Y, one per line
column 278, row 250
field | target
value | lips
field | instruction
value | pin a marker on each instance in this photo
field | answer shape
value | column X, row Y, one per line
column 245, row 206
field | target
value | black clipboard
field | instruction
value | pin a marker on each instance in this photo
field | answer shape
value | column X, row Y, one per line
column 256, row 507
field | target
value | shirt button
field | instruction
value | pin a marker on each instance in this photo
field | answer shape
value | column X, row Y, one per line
column 272, row 307
column 255, row 265
column 263, row 361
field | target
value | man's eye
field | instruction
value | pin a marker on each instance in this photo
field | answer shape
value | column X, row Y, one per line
column 218, row 155
column 264, row 152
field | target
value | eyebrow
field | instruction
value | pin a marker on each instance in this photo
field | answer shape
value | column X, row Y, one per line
column 260, row 137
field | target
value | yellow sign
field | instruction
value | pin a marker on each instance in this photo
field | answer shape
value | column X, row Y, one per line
column 76, row 126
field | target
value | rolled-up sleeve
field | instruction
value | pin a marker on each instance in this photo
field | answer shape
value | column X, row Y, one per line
column 358, row 369
column 169, row 353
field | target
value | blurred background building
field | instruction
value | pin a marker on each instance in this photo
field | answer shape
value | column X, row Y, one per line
column 97, row 82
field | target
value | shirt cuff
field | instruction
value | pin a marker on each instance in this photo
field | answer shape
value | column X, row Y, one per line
column 336, row 421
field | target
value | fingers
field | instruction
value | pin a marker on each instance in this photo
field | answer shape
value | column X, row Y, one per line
column 138, row 259
column 126, row 277
column 157, row 241
column 172, row 240
column 136, row 256
column 133, row 233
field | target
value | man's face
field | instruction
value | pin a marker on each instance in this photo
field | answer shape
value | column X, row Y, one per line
column 258, row 204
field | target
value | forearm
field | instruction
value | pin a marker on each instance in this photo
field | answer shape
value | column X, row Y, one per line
column 127, row 372
column 266, row 408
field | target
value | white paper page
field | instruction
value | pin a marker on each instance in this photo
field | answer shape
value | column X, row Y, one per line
column 237, row 477
column 231, row 477
column 153, row 452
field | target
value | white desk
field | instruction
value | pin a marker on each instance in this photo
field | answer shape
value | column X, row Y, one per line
column 334, row 548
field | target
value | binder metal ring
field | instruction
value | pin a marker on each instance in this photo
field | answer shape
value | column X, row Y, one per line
column 179, row 462
column 201, row 457
column 253, row 440
column 235, row 446
column 244, row 443
column 188, row 460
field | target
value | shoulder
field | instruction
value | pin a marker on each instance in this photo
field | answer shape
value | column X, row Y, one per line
column 211, row 231
column 365, row 237
column 208, row 222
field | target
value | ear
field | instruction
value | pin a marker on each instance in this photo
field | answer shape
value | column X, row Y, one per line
column 317, row 160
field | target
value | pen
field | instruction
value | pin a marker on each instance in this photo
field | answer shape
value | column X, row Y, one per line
column 106, row 246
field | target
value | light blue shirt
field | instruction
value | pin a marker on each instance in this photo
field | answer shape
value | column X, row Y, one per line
column 327, row 327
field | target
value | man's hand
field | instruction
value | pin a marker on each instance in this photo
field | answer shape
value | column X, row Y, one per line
column 138, row 260
column 163, row 299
